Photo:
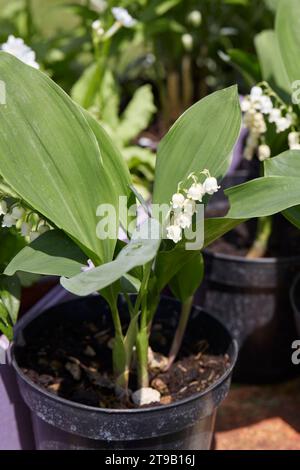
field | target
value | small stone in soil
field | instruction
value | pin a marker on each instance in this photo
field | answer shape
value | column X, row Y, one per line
column 159, row 385
column 89, row 351
column 145, row 396
column 74, row 370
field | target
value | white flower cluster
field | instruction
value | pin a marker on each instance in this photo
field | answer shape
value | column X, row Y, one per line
column 97, row 27
column 17, row 48
column 122, row 16
column 30, row 225
column 183, row 206
column 258, row 107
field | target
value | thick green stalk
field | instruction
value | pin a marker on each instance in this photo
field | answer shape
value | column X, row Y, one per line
column 142, row 343
column 120, row 367
column 187, row 82
column 29, row 21
column 173, row 86
column 260, row 245
column 177, row 341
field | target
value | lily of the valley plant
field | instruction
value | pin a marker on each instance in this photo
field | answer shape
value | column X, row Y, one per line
column 62, row 165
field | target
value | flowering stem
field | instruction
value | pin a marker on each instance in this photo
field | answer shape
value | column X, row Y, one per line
column 142, row 341
column 120, row 367
column 187, row 82
column 260, row 245
column 183, row 320
column 173, row 85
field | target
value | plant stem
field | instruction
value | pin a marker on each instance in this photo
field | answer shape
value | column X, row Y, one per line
column 173, row 85
column 120, row 367
column 260, row 245
column 142, row 342
column 187, row 82
column 29, row 21
column 177, row 341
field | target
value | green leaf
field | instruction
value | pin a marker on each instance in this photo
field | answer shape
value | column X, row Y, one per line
column 10, row 244
column 288, row 35
column 109, row 101
column 273, row 69
column 50, row 156
column 286, row 164
column 10, row 293
column 117, row 177
column 203, row 137
column 169, row 262
column 137, row 115
column 189, row 278
column 139, row 251
column 215, row 228
column 263, row 196
column 272, row 4
column 85, row 90
column 53, row 253
column 156, row 8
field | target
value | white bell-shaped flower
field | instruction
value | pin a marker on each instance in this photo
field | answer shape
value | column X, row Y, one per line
column 33, row 235
column 210, row 185
column 178, row 200
column 3, row 207
column 174, row 233
column 196, row 192
column 183, row 220
column 17, row 47
column 122, row 16
column 189, row 207
column 26, row 229
column 17, row 212
column 8, row 221
column 264, row 152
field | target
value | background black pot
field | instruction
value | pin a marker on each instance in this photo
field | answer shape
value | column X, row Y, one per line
column 251, row 297
column 187, row 424
column 295, row 300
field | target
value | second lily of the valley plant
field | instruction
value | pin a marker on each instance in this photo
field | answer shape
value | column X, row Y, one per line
column 63, row 165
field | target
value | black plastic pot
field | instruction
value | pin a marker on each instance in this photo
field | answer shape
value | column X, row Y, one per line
column 251, row 298
column 295, row 300
column 186, row 424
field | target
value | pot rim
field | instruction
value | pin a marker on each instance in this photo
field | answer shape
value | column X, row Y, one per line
column 292, row 294
column 94, row 409
column 242, row 259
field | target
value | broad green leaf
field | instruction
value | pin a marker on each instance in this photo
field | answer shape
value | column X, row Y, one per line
column 273, row 69
column 203, row 137
column 215, row 228
column 188, row 279
column 50, row 156
column 288, row 35
column 137, row 115
column 85, row 90
column 263, row 196
column 286, row 164
column 139, row 251
column 53, row 253
column 109, row 101
column 156, row 8
column 169, row 262
column 272, row 4
column 10, row 244
column 117, row 177
column 10, row 293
